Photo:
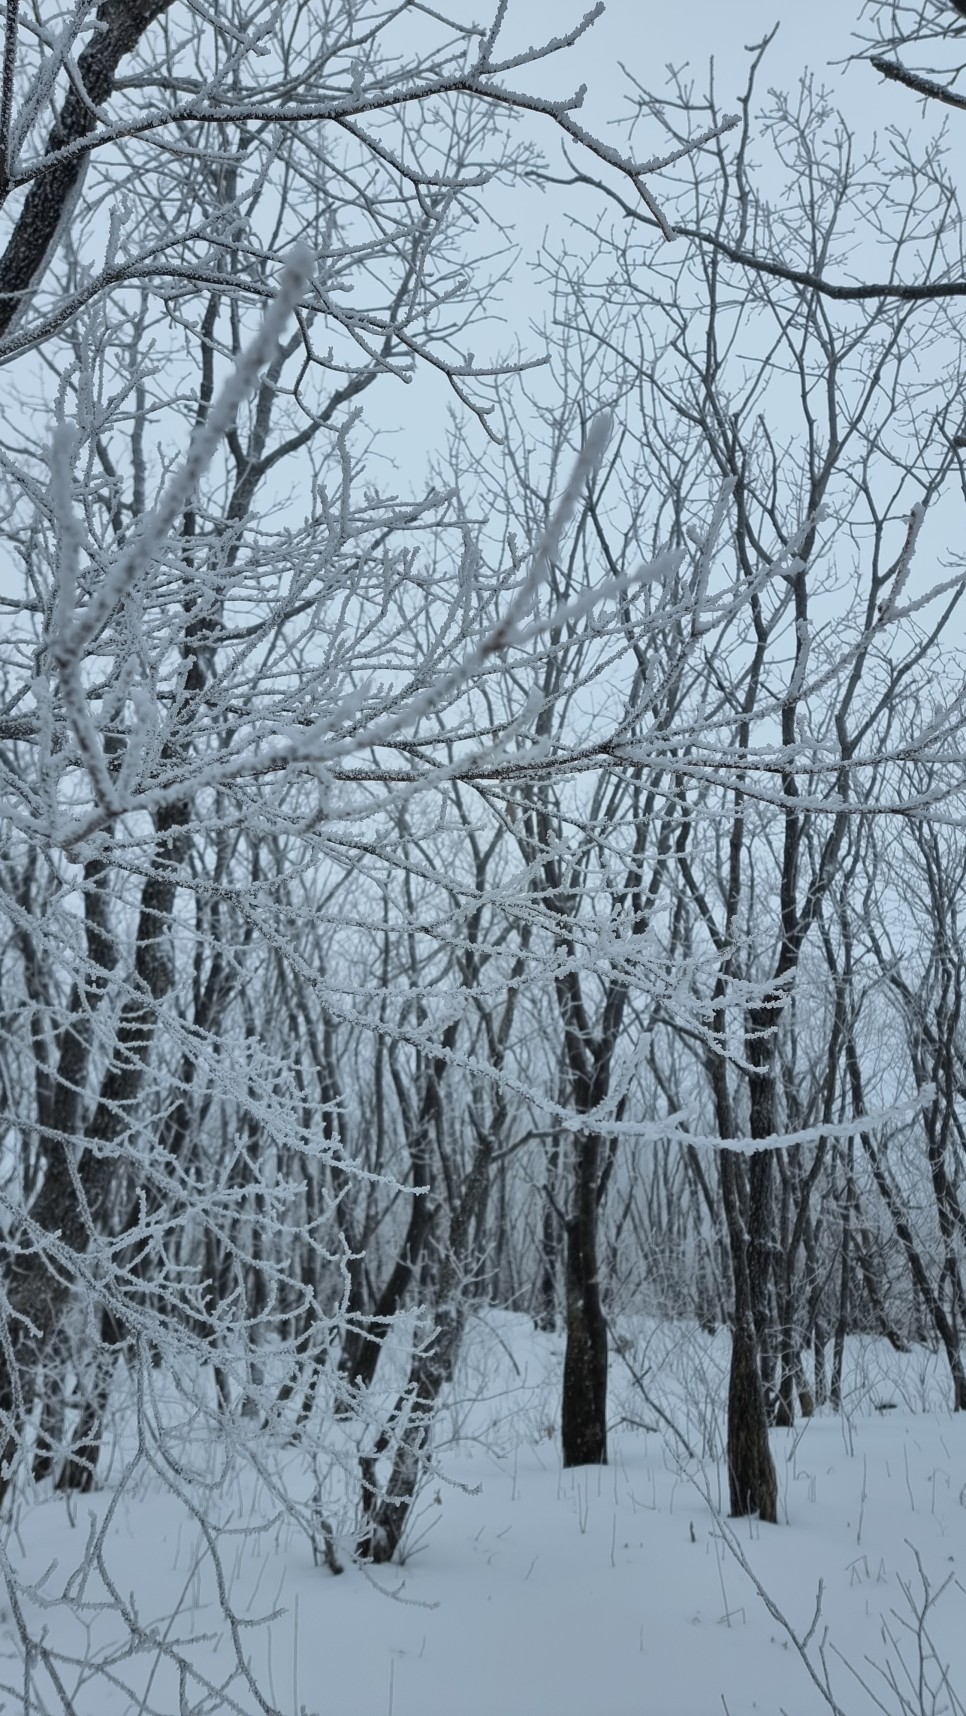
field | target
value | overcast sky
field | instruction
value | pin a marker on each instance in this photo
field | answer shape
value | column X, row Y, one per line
column 646, row 37
column 649, row 35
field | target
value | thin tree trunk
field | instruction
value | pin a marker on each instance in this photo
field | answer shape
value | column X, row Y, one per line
column 410, row 1425
column 72, row 1197
column 917, row 1268
column 584, row 1408
column 80, row 1468
column 360, row 1354
column 549, row 1244
column 844, row 1311
column 752, row 1481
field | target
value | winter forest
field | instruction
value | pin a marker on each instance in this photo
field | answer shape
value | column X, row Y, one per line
column 482, row 956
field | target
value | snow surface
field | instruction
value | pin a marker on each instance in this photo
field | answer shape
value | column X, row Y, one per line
column 525, row 1590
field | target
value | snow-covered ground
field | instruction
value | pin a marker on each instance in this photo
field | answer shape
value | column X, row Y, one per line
column 525, row 1590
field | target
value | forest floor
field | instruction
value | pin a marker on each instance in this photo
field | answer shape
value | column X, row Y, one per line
column 525, row 1590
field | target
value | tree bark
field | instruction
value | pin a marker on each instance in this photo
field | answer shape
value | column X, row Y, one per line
column 546, row 1317
column 752, row 1481
column 364, row 1341
column 121, row 24
column 79, row 1470
column 584, row 1406
column 76, row 1186
column 386, row 1511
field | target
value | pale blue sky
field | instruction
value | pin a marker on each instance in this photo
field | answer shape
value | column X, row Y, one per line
column 647, row 38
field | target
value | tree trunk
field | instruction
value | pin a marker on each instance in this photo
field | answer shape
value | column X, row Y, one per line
column 121, row 24
column 80, row 1468
column 71, row 1200
column 411, row 1423
column 945, row 1329
column 364, row 1340
column 546, row 1318
column 584, row 1406
column 752, row 1482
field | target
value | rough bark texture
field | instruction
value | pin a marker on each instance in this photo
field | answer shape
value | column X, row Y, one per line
column 760, row 1049
column 583, row 1412
column 751, row 1471
column 584, row 1407
column 752, row 1483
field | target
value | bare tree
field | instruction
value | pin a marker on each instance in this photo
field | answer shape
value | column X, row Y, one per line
column 237, row 658
column 840, row 698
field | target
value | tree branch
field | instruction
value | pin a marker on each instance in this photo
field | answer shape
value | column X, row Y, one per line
column 924, row 86
column 121, row 26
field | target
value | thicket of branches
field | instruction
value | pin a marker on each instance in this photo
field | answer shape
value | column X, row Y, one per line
column 541, row 885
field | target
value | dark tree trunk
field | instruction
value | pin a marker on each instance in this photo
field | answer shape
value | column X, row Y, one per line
column 584, row 1406
column 760, row 1173
column 752, row 1482
column 549, row 1245
column 121, row 24
column 364, row 1340
column 409, row 1429
column 72, row 1198
column 760, row 1047
column 80, row 1468
column 863, row 1245
column 944, row 1327
column 52, row 1391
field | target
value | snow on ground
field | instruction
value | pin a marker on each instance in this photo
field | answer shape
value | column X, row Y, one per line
column 620, row 1591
